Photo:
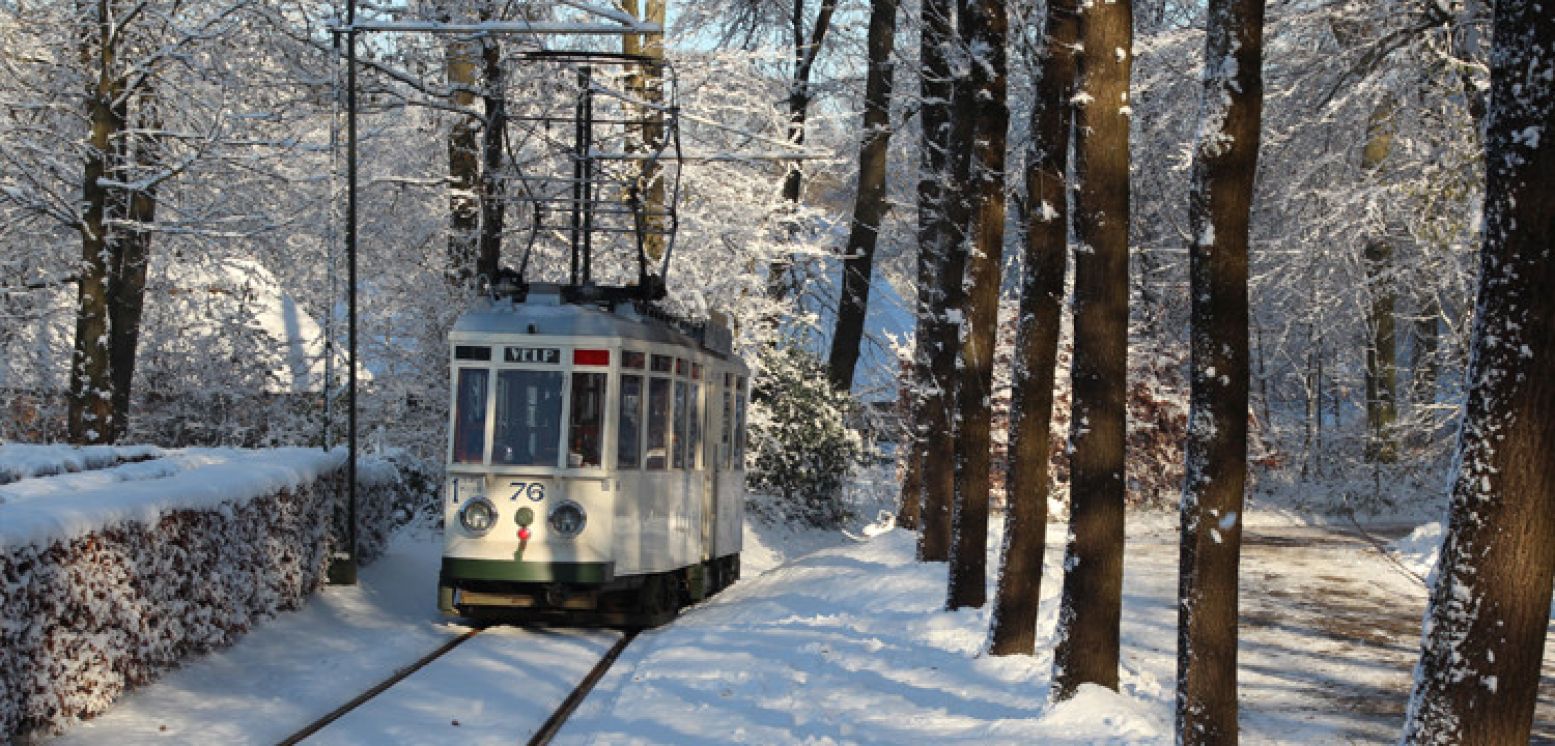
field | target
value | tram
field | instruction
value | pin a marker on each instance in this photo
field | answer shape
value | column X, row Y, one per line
column 596, row 443
column 595, row 462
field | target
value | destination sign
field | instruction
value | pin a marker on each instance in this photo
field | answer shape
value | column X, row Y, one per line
column 544, row 355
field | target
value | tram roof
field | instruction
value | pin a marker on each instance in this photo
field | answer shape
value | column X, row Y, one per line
column 543, row 314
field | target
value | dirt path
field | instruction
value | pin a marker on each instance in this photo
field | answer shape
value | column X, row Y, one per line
column 1324, row 610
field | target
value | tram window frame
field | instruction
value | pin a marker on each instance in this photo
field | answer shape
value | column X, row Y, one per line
column 726, row 439
column 658, row 423
column 679, row 442
column 629, row 452
column 579, row 440
column 501, row 421
column 694, row 427
column 740, row 400
column 470, row 421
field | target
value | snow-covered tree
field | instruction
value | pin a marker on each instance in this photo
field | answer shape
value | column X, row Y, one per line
column 1225, row 163
column 1478, row 676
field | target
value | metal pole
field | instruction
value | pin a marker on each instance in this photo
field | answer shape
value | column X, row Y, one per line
column 587, row 128
column 579, row 145
column 343, row 570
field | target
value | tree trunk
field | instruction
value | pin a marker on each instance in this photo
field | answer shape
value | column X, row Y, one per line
column 938, row 236
column 869, row 207
column 1014, row 626
column 127, row 287
column 1224, row 166
column 1484, row 635
column 493, row 132
column 90, row 407
column 464, row 210
column 806, row 49
column 983, row 27
column 1381, row 356
column 647, row 84
column 1093, row 583
column 909, row 513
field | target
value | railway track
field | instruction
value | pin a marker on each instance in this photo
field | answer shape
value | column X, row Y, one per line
column 548, row 729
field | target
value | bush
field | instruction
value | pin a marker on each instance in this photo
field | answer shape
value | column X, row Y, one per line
column 802, row 447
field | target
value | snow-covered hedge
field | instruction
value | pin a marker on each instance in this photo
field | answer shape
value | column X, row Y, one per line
column 105, row 589
column 20, row 460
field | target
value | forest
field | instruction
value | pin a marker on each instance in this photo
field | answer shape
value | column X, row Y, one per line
column 1058, row 260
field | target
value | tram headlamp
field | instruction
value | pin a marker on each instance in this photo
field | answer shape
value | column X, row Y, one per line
column 568, row 519
column 478, row 516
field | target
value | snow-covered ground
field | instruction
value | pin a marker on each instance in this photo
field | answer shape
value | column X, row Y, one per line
column 830, row 638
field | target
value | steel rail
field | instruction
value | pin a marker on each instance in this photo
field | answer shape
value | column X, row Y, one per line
column 362, row 698
column 554, row 723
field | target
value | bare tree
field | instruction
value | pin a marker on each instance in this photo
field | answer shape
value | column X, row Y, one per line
column 806, row 49
column 1013, row 630
column 869, row 205
column 984, row 27
column 1093, row 582
column 1382, row 316
column 463, row 64
column 1485, row 629
column 1225, row 163
column 121, row 49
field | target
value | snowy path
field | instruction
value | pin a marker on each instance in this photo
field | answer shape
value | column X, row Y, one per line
column 1326, row 617
column 845, row 644
column 295, row 668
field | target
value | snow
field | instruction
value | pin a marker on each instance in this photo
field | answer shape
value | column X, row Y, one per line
column 1418, row 551
column 22, row 460
column 69, row 506
column 298, row 667
column 829, row 638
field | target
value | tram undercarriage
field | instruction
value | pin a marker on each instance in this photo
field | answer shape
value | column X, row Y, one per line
column 629, row 601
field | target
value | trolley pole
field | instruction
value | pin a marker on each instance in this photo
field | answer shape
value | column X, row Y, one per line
column 342, row 571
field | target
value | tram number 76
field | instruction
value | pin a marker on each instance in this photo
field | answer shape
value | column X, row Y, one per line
column 535, row 491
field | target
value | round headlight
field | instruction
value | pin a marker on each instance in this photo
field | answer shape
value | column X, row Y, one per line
column 568, row 519
column 478, row 516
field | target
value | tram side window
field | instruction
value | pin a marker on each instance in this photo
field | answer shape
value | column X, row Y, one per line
column 739, row 424
column 694, row 424
column 726, row 452
column 586, row 421
column 629, row 443
column 681, row 410
column 529, row 418
column 658, row 423
column 470, row 416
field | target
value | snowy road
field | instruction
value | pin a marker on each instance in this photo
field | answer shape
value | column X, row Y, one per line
column 847, row 644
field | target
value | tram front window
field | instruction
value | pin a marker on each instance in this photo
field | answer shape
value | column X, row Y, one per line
column 529, row 418
column 586, row 420
column 470, row 417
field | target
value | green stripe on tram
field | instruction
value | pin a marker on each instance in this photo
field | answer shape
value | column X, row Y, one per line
column 527, row 572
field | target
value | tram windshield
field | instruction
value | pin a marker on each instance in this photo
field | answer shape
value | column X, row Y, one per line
column 470, row 417
column 529, row 418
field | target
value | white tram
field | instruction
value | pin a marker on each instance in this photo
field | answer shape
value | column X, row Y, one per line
column 595, row 463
